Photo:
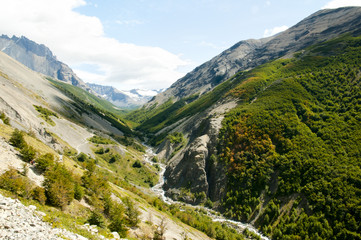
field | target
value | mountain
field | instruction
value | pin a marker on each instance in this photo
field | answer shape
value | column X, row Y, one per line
column 73, row 157
column 268, row 132
column 320, row 26
column 39, row 58
column 124, row 99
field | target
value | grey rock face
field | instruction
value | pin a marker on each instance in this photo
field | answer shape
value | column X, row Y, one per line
column 320, row 26
column 193, row 168
column 38, row 58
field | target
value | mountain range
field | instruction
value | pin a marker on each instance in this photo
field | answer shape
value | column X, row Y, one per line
column 267, row 133
column 242, row 129
column 40, row 58
column 247, row 54
column 124, row 99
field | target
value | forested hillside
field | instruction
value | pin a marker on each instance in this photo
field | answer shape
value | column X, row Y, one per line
column 292, row 147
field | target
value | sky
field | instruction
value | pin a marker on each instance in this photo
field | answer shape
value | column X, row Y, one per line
column 148, row 44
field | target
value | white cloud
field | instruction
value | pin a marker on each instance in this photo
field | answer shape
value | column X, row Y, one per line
column 342, row 3
column 211, row 45
column 79, row 40
column 273, row 31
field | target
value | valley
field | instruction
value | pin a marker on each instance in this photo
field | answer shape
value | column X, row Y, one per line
column 261, row 142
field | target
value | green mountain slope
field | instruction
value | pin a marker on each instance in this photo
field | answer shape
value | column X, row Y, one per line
column 87, row 101
column 292, row 147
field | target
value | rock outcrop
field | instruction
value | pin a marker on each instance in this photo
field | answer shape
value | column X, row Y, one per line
column 39, row 58
column 195, row 167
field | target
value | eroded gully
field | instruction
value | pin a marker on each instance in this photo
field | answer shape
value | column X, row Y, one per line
column 158, row 190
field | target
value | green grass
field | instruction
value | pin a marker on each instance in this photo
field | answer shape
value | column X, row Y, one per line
column 46, row 114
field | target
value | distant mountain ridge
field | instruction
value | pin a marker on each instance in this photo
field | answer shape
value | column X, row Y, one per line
column 318, row 27
column 124, row 99
column 39, row 58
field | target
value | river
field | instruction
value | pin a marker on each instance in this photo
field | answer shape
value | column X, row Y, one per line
column 158, row 190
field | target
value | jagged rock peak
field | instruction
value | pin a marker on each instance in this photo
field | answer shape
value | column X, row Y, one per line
column 39, row 58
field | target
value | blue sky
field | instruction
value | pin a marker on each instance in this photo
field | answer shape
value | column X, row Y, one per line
column 196, row 29
column 148, row 43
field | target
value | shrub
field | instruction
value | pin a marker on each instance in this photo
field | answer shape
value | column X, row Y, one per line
column 46, row 114
column 45, row 162
column 5, row 119
column 131, row 212
column 176, row 137
column 82, row 157
column 118, row 225
column 78, row 192
column 96, row 219
column 38, row 193
column 28, row 153
column 17, row 139
column 137, row 164
column 59, row 186
column 14, row 182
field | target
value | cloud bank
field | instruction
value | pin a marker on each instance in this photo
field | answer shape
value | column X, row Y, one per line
column 80, row 41
column 273, row 31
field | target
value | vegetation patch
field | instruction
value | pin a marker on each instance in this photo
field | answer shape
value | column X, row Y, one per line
column 46, row 114
column 101, row 140
column 297, row 132
column 4, row 118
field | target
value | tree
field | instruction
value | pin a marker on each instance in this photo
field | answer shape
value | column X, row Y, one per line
column 17, row 139
column 45, row 162
column 78, row 192
column 132, row 212
column 59, row 186
column 28, row 153
column 96, row 218
column 38, row 193
column 160, row 231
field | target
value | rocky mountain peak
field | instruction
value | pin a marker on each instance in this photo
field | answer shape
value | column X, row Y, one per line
column 244, row 55
column 39, row 58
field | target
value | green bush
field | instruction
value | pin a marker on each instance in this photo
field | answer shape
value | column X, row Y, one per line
column 14, row 182
column 59, row 186
column 17, row 139
column 82, row 157
column 96, row 218
column 132, row 212
column 28, row 153
column 176, row 137
column 45, row 162
column 5, row 119
column 78, row 192
column 137, row 164
column 118, row 225
column 38, row 193
column 46, row 114
column 100, row 140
